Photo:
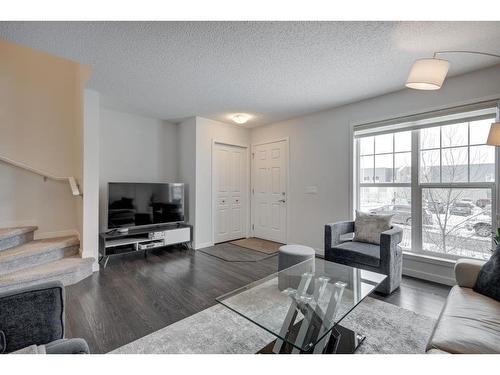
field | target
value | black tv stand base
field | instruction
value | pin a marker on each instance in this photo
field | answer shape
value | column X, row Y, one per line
column 113, row 243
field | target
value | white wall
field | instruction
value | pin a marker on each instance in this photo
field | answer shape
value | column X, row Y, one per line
column 320, row 147
column 186, row 165
column 134, row 149
column 208, row 131
column 26, row 199
column 40, row 126
column 90, row 188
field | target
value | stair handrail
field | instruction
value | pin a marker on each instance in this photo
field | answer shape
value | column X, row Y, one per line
column 73, row 184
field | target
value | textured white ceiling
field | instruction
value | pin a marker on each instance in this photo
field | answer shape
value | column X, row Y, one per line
column 273, row 70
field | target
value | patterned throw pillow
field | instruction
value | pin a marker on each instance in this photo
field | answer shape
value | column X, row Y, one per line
column 368, row 227
column 488, row 280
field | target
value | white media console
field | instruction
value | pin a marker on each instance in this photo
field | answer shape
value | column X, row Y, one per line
column 142, row 239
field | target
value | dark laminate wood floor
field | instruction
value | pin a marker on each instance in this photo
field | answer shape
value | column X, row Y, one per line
column 134, row 296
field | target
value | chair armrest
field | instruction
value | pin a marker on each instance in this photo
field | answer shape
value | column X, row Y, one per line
column 32, row 315
column 389, row 241
column 466, row 271
column 333, row 232
column 392, row 236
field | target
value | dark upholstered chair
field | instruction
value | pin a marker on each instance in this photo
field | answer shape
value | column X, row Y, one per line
column 35, row 316
column 386, row 258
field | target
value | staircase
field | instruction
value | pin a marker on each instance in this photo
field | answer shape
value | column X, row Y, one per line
column 25, row 261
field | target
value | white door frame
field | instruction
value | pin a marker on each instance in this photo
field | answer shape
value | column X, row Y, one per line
column 247, row 185
column 287, row 169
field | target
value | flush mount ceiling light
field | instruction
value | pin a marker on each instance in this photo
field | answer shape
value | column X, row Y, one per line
column 430, row 73
column 241, row 118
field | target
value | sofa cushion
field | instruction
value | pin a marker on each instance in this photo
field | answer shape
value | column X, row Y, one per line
column 68, row 346
column 436, row 351
column 358, row 252
column 368, row 227
column 32, row 349
column 469, row 323
column 488, row 279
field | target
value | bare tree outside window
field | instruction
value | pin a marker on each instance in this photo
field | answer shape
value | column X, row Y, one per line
column 462, row 222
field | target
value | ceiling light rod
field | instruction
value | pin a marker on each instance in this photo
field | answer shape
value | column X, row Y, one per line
column 473, row 52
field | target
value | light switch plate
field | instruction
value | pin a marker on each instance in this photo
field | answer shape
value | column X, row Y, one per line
column 311, row 189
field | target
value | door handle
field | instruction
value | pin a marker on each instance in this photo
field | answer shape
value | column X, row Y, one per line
column 282, row 201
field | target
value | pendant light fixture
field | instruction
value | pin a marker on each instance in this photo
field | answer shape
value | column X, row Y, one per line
column 494, row 135
column 430, row 73
column 427, row 74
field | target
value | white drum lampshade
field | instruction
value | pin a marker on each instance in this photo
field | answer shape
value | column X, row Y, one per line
column 494, row 135
column 427, row 74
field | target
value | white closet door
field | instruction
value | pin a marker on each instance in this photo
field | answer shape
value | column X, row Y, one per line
column 229, row 174
column 269, row 191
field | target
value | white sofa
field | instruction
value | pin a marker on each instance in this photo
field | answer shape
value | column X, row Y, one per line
column 469, row 322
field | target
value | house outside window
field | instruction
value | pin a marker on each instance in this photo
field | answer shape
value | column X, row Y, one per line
column 437, row 178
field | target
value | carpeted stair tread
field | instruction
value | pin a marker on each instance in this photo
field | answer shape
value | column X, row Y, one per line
column 16, row 236
column 68, row 270
column 37, row 246
column 37, row 252
column 15, row 231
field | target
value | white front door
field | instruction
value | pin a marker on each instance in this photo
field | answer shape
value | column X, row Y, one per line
column 230, row 185
column 269, row 190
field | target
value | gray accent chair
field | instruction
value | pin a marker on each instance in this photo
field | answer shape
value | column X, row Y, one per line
column 386, row 258
column 34, row 316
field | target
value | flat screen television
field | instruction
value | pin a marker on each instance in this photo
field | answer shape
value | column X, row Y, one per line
column 144, row 204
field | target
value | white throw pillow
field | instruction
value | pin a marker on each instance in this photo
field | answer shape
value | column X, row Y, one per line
column 368, row 227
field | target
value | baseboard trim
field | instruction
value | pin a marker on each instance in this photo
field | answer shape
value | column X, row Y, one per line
column 429, row 276
column 95, row 266
column 198, row 246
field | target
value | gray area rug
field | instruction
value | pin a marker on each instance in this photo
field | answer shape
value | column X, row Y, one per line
column 389, row 329
column 234, row 253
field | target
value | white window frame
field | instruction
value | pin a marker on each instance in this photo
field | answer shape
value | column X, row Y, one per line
column 415, row 124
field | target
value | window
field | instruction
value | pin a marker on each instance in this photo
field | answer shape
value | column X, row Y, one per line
column 457, row 153
column 385, row 160
column 437, row 180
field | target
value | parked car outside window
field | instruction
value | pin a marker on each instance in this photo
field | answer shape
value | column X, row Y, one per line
column 461, row 208
column 483, row 202
column 402, row 213
column 481, row 224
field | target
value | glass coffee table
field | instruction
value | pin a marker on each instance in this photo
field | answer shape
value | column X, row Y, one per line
column 303, row 305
